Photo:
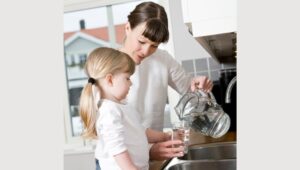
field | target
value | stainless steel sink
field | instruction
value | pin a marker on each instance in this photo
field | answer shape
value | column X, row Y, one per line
column 213, row 156
column 215, row 151
column 227, row 164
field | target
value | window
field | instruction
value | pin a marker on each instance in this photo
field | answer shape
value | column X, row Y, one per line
column 70, row 60
column 82, row 59
column 84, row 31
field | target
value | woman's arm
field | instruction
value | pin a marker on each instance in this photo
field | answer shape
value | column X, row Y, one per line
column 124, row 161
column 154, row 136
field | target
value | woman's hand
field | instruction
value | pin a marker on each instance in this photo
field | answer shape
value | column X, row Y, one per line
column 154, row 136
column 201, row 82
column 166, row 150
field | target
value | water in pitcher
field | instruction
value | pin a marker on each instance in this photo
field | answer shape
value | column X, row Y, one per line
column 203, row 111
column 215, row 124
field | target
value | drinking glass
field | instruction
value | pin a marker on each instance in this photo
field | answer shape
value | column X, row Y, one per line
column 181, row 131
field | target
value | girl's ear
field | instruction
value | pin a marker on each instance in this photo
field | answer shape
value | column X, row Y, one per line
column 109, row 79
column 127, row 28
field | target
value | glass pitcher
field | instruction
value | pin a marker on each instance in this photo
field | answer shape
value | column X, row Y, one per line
column 203, row 112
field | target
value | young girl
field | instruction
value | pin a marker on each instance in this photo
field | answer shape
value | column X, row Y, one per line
column 122, row 141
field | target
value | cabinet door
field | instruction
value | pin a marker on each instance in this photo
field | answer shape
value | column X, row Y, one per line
column 212, row 16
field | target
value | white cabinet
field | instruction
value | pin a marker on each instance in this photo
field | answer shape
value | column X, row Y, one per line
column 211, row 16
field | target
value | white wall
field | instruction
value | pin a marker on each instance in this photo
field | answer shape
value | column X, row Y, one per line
column 79, row 161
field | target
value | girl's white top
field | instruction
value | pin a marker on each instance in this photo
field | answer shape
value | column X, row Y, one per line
column 119, row 129
column 149, row 90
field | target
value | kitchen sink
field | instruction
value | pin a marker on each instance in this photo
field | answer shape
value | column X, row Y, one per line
column 212, row 156
column 227, row 164
column 215, row 151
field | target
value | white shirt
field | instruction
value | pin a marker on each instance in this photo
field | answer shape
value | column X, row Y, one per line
column 149, row 90
column 119, row 129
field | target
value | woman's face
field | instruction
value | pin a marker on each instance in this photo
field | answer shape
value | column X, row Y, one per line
column 136, row 45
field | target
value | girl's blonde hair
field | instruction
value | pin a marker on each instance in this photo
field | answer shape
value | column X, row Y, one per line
column 100, row 62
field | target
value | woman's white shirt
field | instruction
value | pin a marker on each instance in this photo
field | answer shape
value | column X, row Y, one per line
column 149, row 90
column 119, row 129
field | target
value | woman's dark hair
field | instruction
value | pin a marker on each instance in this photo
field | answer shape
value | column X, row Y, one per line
column 156, row 21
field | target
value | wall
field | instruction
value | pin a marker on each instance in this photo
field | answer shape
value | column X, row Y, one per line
column 205, row 67
column 79, row 161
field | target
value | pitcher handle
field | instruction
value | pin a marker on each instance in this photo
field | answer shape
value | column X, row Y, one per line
column 209, row 95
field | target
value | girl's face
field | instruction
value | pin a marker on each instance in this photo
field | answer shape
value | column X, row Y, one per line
column 136, row 45
column 121, row 84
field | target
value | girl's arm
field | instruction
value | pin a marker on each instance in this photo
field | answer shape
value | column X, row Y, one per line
column 157, row 136
column 124, row 161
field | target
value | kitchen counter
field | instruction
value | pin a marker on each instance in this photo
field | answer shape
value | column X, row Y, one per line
column 197, row 138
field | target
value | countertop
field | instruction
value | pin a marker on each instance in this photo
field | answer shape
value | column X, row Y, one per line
column 197, row 138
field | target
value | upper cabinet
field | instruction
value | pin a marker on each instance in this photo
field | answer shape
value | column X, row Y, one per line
column 209, row 17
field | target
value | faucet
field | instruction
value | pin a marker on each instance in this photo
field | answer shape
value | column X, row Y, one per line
column 229, row 88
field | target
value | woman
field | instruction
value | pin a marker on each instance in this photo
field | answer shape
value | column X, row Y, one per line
column 156, row 69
